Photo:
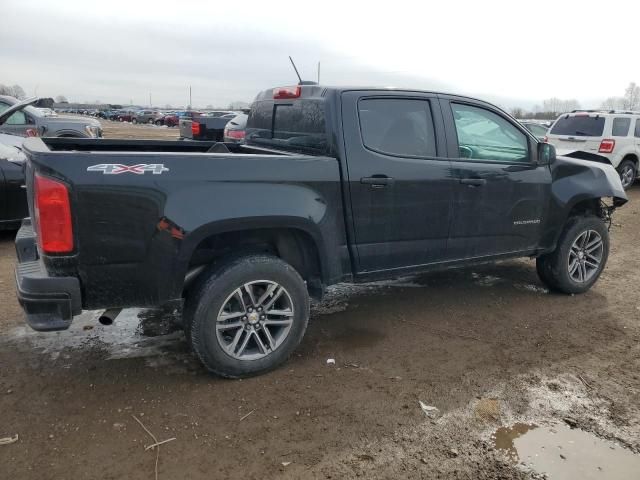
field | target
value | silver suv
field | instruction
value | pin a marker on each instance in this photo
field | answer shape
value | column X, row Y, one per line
column 609, row 133
column 32, row 121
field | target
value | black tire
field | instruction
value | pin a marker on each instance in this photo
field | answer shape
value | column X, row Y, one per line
column 553, row 268
column 159, row 123
column 213, row 289
column 134, row 120
column 628, row 172
column 150, row 122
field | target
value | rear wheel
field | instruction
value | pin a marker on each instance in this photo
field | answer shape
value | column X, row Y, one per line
column 134, row 120
column 159, row 123
column 627, row 171
column 245, row 317
column 579, row 258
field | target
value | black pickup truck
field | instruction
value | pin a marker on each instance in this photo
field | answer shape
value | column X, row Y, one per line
column 332, row 185
column 206, row 127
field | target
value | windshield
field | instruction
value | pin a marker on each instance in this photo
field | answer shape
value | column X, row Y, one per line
column 579, row 126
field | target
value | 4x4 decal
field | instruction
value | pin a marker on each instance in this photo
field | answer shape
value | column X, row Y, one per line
column 140, row 169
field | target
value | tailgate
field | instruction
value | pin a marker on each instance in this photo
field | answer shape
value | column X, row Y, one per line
column 185, row 128
column 580, row 131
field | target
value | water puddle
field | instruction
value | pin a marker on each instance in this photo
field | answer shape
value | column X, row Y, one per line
column 563, row 453
column 135, row 333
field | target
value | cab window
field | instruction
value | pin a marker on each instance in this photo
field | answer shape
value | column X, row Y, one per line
column 18, row 118
column 486, row 136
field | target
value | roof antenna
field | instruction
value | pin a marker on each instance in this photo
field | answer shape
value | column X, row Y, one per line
column 294, row 67
column 300, row 81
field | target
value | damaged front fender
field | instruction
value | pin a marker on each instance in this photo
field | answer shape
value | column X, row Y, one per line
column 579, row 176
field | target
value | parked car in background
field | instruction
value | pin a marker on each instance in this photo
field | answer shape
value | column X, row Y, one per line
column 234, row 131
column 31, row 121
column 171, row 119
column 127, row 115
column 538, row 129
column 610, row 133
column 332, row 185
column 147, row 116
column 47, row 112
column 13, row 206
column 205, row 127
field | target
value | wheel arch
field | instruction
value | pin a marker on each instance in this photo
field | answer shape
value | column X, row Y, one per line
column 294, row 240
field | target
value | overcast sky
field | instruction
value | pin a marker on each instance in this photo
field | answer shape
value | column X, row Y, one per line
column 513, row 53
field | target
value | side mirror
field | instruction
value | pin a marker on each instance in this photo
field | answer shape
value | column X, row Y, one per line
column 546, row 154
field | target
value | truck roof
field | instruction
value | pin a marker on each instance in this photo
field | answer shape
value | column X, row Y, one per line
column 320, row 91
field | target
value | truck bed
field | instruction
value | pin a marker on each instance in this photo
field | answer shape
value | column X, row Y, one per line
column 137, row 230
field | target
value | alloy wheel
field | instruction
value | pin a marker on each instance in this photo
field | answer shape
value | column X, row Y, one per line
column 254, row 320
column 585, row 256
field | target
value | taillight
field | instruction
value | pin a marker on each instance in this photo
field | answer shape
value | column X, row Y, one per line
column 53, row 215
column 195, row 128
column 286, row 92
column 235, row 134
column 607, row 145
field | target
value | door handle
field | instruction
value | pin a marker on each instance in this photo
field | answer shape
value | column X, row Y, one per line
column 377, row 181
column 473, row 182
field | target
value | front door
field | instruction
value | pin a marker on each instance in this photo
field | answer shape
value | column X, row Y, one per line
column 399, row 179
column 16, row 124
column 501, row 191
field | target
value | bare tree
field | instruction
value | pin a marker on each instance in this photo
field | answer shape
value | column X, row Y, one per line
column 569, row 105
column 61, row 99
column 517, row 112
column 18, row 92
column 13, row 91
column 238, row 105
column 631, row 99
column 612, row 103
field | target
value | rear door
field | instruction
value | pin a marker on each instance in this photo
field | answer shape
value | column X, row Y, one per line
column 399, row 178
column 501, row 193
column 636, row 133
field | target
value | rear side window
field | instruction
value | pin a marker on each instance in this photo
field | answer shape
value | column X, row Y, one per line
column 620, row 127
column 395, row 126
column 637, row 132
column 297, row 126
column 579, row 126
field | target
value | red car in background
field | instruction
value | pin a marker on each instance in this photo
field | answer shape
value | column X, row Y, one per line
column 173, row 120
column 127, row 116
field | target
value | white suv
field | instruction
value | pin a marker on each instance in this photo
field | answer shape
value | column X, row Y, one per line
column 612, row 134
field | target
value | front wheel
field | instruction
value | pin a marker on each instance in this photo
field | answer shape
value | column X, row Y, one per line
column 579, row 258
column 246, row 316
column 627, row 171
column 134, row 120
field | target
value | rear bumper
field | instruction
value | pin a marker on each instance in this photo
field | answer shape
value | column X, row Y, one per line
column 49, row 302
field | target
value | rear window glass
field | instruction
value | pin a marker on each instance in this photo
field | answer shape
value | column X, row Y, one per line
column 579, row 126
column 397, row 126
column 297, row 127
column 621, row 127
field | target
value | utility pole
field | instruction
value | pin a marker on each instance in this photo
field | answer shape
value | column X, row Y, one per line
column 150, row 104
column 190, row 103
column 318, row 73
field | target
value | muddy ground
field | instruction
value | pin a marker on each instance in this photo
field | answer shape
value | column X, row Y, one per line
column 488, row 347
